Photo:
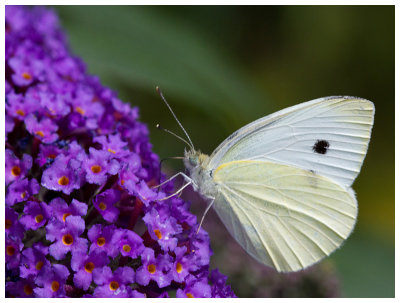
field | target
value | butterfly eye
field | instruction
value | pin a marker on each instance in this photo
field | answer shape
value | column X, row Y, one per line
column 193, row 161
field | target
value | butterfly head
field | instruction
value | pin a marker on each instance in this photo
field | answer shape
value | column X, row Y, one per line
column 194, row 158
column 196, row 163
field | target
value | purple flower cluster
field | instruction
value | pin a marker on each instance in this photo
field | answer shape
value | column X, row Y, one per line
column 82, row 217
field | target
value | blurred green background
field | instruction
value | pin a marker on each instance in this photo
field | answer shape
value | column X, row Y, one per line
column 222, row 67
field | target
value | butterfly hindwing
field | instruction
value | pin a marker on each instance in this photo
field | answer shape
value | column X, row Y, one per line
column 285, row 217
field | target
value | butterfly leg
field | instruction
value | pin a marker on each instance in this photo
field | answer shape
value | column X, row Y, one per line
column 205, row 212
column 173, row 177
column 178, row 191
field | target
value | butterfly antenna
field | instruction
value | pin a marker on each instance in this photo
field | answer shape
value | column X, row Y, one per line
column 175, row 135
column 170, row 109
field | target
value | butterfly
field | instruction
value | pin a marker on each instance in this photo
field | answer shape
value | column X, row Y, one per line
column 282, row 184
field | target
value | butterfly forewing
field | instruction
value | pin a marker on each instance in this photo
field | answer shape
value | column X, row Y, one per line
column 285, row 217
column 327, row 136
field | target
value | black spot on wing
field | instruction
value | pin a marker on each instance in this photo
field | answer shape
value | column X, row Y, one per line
column 321, row 147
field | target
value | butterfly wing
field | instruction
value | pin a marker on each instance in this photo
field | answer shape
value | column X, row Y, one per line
column 329, row 136
column 285, row 217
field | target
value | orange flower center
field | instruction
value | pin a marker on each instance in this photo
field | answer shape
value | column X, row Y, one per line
column 10, row 250
column 26, row 76
column 20, row 112
column 122, row 182
column 52, row 156
column 63, row 181
column 111, row 151
column 126, row 248
column 179, row 268
column 64, row 217
column 16, row 171
column 39, row 133
column 67, row 239
column 151, row 268
column 39, row 265
column 102, row 206
column 89, row 267
column 96, row 168
column 8, row 223
column 113, row 285
column 39, row 218
column 28, row 290
column 23, row 195
column 55, row 286
column 189, row 295
column 158, row 233
column 80, row 110
column 101, row 241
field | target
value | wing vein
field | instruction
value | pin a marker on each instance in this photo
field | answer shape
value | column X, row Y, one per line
column 291, row 209
column 255, row 228
column 311, row 239
column 303, row 191
column 301, row 244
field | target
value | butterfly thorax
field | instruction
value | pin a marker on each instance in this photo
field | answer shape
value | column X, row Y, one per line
column 196, row 163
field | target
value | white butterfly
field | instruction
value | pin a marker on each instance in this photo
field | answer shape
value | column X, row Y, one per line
column 281, row 184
